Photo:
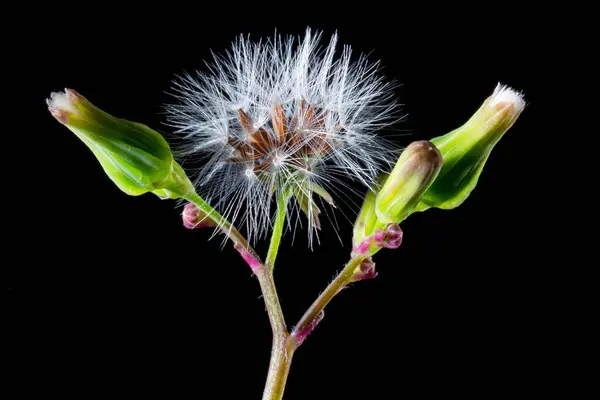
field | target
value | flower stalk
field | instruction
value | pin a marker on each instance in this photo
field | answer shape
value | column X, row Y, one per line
column 282, row 348
column 278, row 225
column 285, row 344
column 315, row 312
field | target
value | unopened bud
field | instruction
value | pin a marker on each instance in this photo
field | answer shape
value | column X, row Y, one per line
column 466, row 149
column 136, row 158
column 389, row 238
column 366, row 270
column 194, row 218
column 365, row 221
column 417, row 167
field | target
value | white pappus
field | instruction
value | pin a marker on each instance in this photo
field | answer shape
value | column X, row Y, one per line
column 282, row 115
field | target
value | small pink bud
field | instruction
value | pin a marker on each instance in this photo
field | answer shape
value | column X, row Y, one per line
column 366, row 270
column 194, row 218
column 363, row 247
column 395, row 235
column 390, row 238
column 380, row 236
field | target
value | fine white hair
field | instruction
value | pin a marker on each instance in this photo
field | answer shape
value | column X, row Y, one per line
column 348, row 98
column 505, row 94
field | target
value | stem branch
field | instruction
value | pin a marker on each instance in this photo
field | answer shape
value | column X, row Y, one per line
column 282, row 349
column 284, row 344
column 315, row 313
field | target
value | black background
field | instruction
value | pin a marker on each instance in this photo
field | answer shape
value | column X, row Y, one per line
column 110, row 294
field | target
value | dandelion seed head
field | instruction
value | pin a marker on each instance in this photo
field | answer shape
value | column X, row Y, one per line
column 281, row 114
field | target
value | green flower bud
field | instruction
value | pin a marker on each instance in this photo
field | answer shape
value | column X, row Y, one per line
column 136, row 158
column 466, row 149
column 417, row 167
column 366, row 220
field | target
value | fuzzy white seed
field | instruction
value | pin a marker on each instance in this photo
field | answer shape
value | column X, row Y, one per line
column 282, row 113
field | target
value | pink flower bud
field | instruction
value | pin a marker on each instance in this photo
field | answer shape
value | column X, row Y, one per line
column 389, row 238
column 194, row 218
column 380, row 236
column 395, row 235
column 366, row 270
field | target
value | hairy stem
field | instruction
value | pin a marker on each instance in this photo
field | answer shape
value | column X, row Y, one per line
column 314, row 314
column 282, row 351
column 280, row 214
column 284, row 344
column 267, row 285
column 281, row 354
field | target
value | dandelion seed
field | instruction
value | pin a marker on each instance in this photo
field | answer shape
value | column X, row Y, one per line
column 282, row 114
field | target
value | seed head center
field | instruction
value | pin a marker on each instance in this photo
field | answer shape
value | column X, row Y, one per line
column 298, row 137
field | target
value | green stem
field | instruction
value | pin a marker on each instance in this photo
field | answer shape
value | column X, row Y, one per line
column 284, row 344
column 314, row 314
column 225, row 226
column 279, row 368
column 280, row 214
column 281, row 348
column 267, row 285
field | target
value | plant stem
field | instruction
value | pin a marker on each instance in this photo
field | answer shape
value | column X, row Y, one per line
column 282, row 200
column 279, row 368
column 284, row 344
column 225, row 226
column 267, row 285
column 282, row 349
column 314, row 314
